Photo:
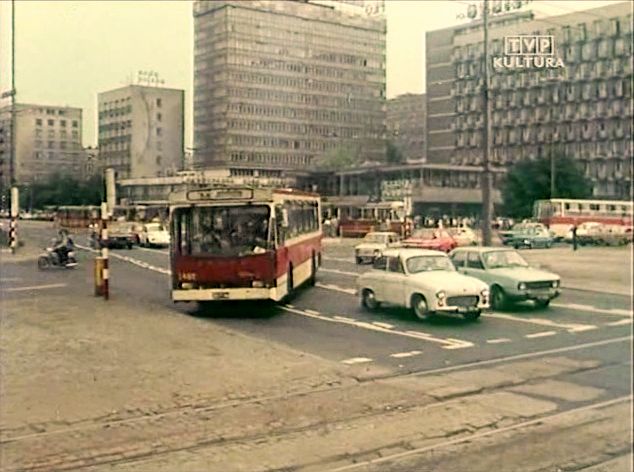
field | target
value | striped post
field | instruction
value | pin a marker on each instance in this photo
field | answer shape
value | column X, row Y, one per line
column 104, row 249
column 15, row 212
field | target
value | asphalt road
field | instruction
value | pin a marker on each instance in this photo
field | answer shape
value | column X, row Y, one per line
column 327, row 321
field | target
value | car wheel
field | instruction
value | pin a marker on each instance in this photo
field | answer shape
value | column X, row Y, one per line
column 498, row 298
column 472, row 316
column 368, row 300
column 358, row 260
column 420, row 308
column 542, row 303
column 313, row 271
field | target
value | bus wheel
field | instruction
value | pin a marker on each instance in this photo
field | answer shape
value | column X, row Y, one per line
column 313, row 270
column 289, row 281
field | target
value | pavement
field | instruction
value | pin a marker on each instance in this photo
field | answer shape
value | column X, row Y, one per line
column 140, row 384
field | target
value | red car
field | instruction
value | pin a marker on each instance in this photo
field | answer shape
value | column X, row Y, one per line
column 436, row 239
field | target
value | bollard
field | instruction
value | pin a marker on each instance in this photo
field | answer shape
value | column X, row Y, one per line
column 104, row 250
column 99, row 263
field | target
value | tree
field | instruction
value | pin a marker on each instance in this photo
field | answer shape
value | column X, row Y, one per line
column 61, row 189
column 393, row 154
column 529, row 180
column 342, row 157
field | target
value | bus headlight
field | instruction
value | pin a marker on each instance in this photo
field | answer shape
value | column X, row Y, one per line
column 257, row 284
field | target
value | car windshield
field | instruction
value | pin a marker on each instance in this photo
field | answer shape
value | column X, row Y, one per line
column 155, row 227
column 417, row 264
column 374, row 238
column 499, row 259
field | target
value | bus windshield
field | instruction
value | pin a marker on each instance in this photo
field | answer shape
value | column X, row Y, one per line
column 223, row 230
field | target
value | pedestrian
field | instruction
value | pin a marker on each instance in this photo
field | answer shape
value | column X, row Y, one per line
column 574, row 237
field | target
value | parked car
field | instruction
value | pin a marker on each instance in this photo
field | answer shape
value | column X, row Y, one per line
column 154, row 234
column 508, row 275
column 583, row 230
column 599, row 234
column 531, row 237
column 120, row 235
column 373, row 246
column 508, row 235
column 424, row 281
column 464, row 236
column 436, row 239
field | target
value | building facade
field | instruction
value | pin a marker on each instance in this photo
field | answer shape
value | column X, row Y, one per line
column 583, row 110
column 280, row 85
column 47, row 141
column 405, row 121
column 141, row 131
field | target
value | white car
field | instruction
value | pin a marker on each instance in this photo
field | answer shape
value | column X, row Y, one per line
column 154, row 234
column 423, row 280
column 464, row 236
column 373, row 245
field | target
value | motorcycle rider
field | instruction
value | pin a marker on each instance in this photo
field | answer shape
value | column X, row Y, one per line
column 62, row 246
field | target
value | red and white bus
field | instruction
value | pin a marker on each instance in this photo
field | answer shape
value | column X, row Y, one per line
column 561, row 214
column 243, row 243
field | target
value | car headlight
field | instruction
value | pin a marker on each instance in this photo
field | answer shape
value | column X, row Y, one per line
column 440, row 295
column 521, row 286
column 526, row 241
column 555, row 283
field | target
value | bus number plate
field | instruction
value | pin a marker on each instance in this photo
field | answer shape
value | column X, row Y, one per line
column 220, row 295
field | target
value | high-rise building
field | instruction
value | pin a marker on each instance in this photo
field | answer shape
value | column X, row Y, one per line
column 278, row 85
column 583, row 109
column 48, row 140
column 405, row 120
column 141, row 130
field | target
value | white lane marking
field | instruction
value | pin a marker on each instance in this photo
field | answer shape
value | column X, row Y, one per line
column 592, row 309
column 472, row 437
column 498, row 340
column 619, row 323
column 339, row 259
column 340, row 272
column 148, row 249
column 383, row 325
column 335, row 288
column 312, row 312
column 446, row 343
column 541, row 335
column 356, row 360
column 33, row 287
column 570, row 327
column 400, row 355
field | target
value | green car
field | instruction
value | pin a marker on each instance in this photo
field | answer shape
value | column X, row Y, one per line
column 508, row 275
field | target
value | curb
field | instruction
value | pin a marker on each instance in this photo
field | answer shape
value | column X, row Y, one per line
column 603, row 292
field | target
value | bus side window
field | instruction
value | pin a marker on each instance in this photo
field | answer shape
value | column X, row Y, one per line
column 279, row 225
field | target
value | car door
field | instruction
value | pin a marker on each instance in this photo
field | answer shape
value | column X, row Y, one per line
column 459, row 260
column 377, row 278
column 474, row 266
column 394, row 281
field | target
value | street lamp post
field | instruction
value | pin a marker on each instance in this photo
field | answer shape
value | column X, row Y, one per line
column 487, row 204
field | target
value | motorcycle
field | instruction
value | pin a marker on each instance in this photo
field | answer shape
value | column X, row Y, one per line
column 51, row 259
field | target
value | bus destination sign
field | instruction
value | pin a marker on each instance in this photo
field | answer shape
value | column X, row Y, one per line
column 220, row 194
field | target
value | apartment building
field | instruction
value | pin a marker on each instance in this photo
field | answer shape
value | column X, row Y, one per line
column 47, row 141
column 583, row 109
column 141, row 131
column 405, row 122
column 278, row 85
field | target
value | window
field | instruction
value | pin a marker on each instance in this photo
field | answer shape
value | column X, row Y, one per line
column 395, row 265
column 51, row 144
column 38, row 122
column 159, row 132
column 62, row 123
column 51, row 122
column 74, row 123
column 459, row 259
column 159, row 102
column 473, row 261
column 159, row 117
column 158, row 160
column 380, row 263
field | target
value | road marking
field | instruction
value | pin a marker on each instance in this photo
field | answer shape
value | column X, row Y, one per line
column 446, row 343
column 383, row 325
column 619, row 323
column 339, row 259
column 33, row 287
column 312, row 312
column 400, row 355
column 148, row 249
column 498, row 340
column 570, row 327
column 592, row 309
column 335, row 288
column 542, row 334
column 340, row 272
column 10, row 279
column 492, row 432
column 356, row 360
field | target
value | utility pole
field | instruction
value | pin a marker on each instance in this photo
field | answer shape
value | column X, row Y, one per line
column 12, row 159
column 553, row 174
column 487, row 204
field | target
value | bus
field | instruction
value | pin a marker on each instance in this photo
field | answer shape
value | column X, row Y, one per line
column 561, row 214
column 243, row 243
column 76, row 217
column 355, row 221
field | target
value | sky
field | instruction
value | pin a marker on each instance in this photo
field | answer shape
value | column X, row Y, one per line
column 68, row 51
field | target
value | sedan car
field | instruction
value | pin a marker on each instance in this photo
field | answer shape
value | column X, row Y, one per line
column 508, row 275
column 154, row 234
column 530, row 238
column 464, row 236
column 508, row 235
column 425, row 282
column 436, row 239
column 373, row 245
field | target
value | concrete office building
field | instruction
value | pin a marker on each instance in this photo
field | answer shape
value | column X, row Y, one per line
column 141, row 131
column 47, row 140
column 582, row 110
column 277, row 85
column 405, row 120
